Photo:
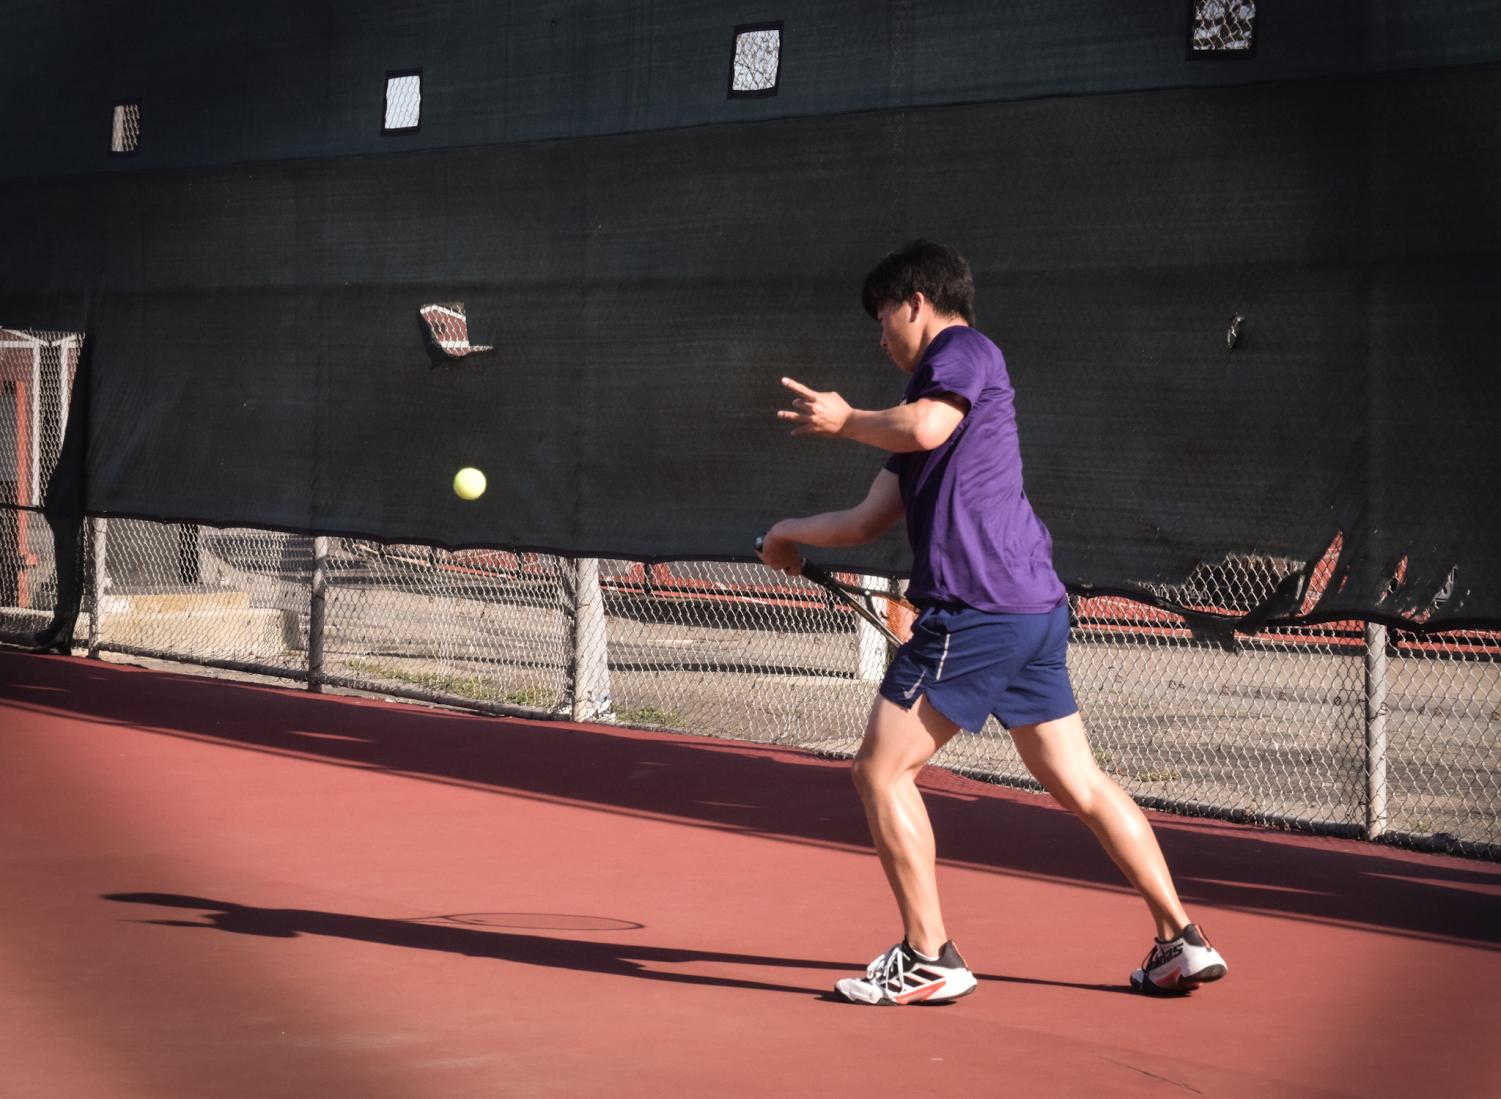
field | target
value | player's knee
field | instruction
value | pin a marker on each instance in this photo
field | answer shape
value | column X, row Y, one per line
column 861, row 774
column 1084, row 797
column 1067, row 791
column 1081, row 803
column 869, row 777
column 1059, row 791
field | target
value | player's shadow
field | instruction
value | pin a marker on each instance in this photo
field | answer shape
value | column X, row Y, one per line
column 619, row 959
column 611, row 958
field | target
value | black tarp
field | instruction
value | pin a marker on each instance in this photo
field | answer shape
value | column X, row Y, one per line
column 648, row 258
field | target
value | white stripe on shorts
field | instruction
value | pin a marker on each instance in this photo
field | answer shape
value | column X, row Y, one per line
column 942, row 658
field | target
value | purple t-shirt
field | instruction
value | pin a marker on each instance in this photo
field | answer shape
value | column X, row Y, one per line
column 975, row 539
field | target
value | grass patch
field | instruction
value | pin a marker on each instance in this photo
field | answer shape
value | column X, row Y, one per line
column 1170, row 775
column 459, row 686
column 648, row 715
column 539, row 698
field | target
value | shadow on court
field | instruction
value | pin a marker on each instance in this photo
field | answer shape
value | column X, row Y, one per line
column 757, row 789
column 615, row 959
column 619, row 959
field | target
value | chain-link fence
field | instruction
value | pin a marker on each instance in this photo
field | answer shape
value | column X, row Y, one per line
column 758, row 57
column 1223, row 26
column 125, row 131
column 37, row 370
column 403, row 101
column 1344, row 728
column 1347, row 728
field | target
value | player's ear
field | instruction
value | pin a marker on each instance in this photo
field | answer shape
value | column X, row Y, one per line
column 914, row 305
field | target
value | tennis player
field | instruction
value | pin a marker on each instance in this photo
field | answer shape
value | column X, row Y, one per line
column 992, row 636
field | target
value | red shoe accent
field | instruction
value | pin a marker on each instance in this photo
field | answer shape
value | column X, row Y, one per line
column 918, row 995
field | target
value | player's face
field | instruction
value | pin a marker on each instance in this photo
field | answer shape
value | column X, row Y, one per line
column 901, row 333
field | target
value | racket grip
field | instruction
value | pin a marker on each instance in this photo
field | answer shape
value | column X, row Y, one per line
column 815, row 573
column 802, row 567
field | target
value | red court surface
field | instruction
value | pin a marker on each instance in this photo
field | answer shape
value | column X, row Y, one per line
column 219, row 889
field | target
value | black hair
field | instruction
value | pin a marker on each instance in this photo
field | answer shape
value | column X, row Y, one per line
column 935, row 271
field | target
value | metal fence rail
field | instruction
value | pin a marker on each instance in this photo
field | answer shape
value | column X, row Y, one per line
column 1347, row 728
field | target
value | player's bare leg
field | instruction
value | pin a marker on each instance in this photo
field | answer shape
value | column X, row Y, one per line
column 1058, row 755
column 897, row 743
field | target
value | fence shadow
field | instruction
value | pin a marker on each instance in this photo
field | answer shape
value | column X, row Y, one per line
column 773, row 791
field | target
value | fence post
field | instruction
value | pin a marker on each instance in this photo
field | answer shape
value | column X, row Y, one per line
column 1375, row 730
column 871, row 649
column 589, row 651
column 98, row 529
column 317, row 615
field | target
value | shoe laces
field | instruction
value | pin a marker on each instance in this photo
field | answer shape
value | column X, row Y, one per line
column 1154, row 953
column 1158, row 948
column 889, row 969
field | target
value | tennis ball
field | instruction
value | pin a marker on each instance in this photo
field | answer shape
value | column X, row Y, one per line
column 469, row 483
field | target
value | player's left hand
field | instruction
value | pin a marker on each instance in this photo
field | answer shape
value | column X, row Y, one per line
column 815, row 413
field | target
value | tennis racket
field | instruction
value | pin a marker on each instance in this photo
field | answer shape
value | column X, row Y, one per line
column 859, row 599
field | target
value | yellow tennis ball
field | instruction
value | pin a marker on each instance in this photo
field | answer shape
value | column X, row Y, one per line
column 469, row 483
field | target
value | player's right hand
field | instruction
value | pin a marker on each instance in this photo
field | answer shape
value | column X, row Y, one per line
column 779, row 553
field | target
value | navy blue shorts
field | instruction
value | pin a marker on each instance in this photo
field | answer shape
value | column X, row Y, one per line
column 973, row 663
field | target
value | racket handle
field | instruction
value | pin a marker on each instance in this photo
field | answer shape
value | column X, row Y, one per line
column 802, row 562
column 815, row 573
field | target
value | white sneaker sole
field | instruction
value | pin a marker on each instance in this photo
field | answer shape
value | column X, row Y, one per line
column 857, row 990
column 1177, row 983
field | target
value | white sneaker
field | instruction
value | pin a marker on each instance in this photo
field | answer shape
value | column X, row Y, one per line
column 1179, row 965
column 902, row 976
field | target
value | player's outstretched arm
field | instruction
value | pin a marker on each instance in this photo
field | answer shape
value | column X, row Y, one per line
column 869, row 519
column 921, row 425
